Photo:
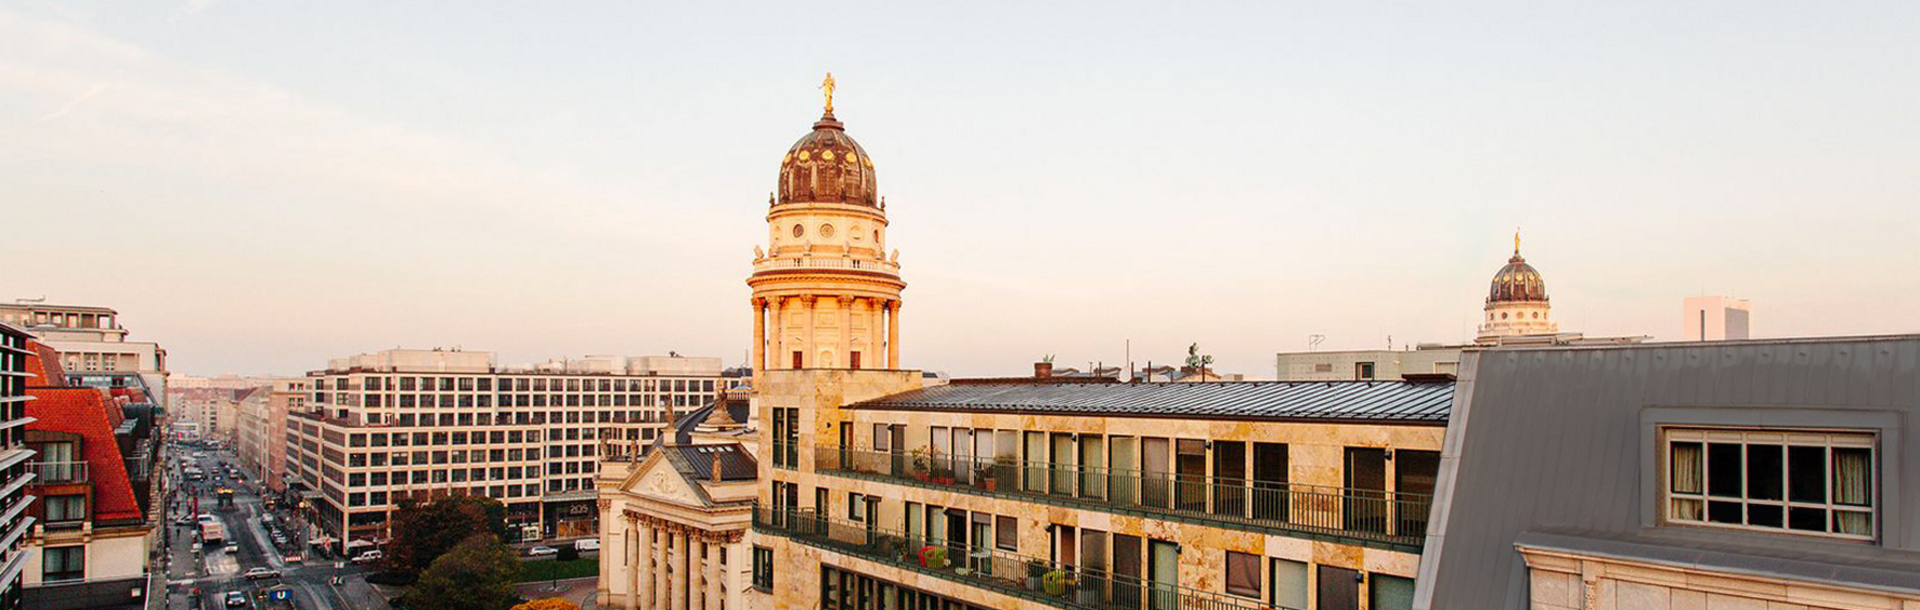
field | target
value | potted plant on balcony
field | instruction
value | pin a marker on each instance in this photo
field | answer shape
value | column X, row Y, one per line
column 1036, row 570
column 1087, row 589
column 933, row 557
column 922, row 463
column 1057, row 582
column 984, row 475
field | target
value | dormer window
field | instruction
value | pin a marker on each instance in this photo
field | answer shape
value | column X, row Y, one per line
column 1790, row 481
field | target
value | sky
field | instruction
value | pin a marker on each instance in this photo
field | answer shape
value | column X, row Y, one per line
column 262, row 186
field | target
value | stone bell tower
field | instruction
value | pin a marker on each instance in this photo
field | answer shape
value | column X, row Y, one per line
column 826, row 293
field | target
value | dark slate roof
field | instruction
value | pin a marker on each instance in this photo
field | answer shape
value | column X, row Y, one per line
column 1550, row 447
column 1384, row 401
column 696, row 462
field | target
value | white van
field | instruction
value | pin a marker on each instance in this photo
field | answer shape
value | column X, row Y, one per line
column 586, row 544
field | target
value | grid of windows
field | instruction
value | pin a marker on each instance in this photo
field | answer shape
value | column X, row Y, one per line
column 509, row 436
column 1808, row 482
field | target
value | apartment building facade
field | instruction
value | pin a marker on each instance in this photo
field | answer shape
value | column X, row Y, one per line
column 90, row 339
column 15, row 474
column 1002, row 494
column 424, row 423
column 94, row 447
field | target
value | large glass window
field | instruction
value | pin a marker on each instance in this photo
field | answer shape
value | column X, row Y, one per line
column 763, row 568
column 1785, row 480
column 64, row 563
column 1243, row 574
column 71, row 507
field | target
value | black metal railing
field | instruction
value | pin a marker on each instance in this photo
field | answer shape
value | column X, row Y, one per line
column 1361, row 514
column 990, row 568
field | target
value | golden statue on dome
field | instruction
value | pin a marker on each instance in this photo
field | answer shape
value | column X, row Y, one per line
column 827, row 85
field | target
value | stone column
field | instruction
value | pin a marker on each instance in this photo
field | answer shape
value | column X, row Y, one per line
column 738, row 555
column 808, row 304
column 759, row 362
column 893, row 334
column 610, row 571
column 876, row 354
column 696, row 549
column 642, row 563
column 659, row 597
column 713, row 588
column 846, row 332
column 776, row 341
column 679, row 568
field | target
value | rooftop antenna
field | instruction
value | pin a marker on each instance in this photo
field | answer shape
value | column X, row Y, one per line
column 1313, row 341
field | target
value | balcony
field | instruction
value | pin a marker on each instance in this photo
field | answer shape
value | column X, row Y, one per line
column 1389, row 520
column 58, row 473
column 996, row 570
column 826, row 262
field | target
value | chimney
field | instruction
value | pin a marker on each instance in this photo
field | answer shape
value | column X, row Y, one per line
column 1042, row 370
column 716, row 466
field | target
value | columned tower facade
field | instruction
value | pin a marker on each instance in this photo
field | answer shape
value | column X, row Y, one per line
column 825, row 292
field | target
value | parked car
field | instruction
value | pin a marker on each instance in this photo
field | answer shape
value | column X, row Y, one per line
column 184, row 520
column 542, row 551
column 260, row 573
column 236, row 599
column 369, row 557
column 587, row 544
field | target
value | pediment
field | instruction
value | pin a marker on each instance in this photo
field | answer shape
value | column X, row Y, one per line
column 656, row 479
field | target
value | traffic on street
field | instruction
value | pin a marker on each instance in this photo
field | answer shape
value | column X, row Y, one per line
column 227, row 547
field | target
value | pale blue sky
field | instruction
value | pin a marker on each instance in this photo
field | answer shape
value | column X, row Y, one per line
column 261, row 186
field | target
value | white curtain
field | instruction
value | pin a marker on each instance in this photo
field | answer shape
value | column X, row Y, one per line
column 1686, row 468
column 1852, row 486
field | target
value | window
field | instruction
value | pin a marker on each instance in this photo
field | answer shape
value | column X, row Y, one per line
column 1243, row 574
column 1363, row 370
column 1006, row 533
column 763, row 568
column 66, row 508
column 1289, row 584
column 856, row 507
column 1389, row 592
column 1780, row 480
column 64, row 563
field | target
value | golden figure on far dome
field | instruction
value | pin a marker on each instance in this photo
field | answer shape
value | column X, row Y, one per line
column 827, row 85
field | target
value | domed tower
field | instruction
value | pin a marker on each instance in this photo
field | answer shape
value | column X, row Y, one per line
column 825, row 292
column 1517, row 301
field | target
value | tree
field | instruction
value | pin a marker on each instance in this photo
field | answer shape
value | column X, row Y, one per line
column 551, row 603
column 422, row 532
column 477, row 574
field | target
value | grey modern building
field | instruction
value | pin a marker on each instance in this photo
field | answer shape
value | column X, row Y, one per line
column 1738, row 474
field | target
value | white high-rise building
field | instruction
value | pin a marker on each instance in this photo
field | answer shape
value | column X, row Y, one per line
column 1716, row 318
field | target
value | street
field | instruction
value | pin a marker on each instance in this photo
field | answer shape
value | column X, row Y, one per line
column 217, row 569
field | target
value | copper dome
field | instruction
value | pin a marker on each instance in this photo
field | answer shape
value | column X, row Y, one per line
column 1518, row 282
column 827, row 166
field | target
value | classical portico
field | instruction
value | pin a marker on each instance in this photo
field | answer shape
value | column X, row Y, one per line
column 674, row 529
column 826, row 293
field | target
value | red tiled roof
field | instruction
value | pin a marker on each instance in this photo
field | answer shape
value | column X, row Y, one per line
column 84, row 411
column 44, row 364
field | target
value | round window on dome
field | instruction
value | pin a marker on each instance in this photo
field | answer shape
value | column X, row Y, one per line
column 1503, row 315
column 826, row 230
column 799, row 230
column 828, row 155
